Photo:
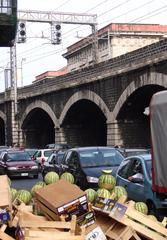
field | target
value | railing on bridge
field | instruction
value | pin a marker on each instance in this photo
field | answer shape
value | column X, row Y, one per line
column 8, row 22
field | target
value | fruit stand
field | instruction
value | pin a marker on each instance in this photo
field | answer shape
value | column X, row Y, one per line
column 60, row 210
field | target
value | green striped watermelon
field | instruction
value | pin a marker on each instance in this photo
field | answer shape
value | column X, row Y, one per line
column 104, row 193
column 13, row 193
column 68, row 177
column 41, row 183
column 51, row 177
column 106, row 180
column 152, row 217
column 35, row 188
column 91, row 194
column 141, row 207
column 24, row 196
column 119, row 191
column 9, row 181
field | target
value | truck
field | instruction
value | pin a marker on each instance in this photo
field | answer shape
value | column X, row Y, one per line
column 158, row 128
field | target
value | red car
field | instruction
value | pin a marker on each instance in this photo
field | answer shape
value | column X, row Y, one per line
column 17, row 164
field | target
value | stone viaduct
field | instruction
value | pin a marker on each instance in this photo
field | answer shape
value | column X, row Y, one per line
column 100, row 105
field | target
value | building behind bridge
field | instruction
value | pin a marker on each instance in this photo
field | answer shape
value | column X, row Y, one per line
column 114, row 40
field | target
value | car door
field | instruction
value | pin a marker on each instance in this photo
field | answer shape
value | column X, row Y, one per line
column 2, row 164
column 136, row 189
column 127, row 169
column 64, row 167
column 75, row 169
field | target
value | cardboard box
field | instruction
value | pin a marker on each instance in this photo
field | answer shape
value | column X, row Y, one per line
column 5, row 199
column 62, row 199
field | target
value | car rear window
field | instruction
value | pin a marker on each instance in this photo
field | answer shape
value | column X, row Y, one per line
column 104, row 157
column 21, row 156
column 48, row 153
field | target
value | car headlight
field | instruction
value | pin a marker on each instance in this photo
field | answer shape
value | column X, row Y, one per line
column 92, row 179
column 12, row 168
column 34, row 167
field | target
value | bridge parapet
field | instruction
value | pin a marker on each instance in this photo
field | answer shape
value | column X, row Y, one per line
column 147, row 55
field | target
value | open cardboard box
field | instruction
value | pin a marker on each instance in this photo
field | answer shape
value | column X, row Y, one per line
column 62, row 199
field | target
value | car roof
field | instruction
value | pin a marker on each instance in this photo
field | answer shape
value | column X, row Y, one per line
column 14, row 151
column 91, row 148
column 145, row 157
column 135, row 149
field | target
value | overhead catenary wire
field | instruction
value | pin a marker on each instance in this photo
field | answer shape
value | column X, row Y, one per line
column 138, row 18
column 80, row 26
column 66, row 34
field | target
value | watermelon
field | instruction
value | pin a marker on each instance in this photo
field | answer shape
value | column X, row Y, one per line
column 51, row 177
column 106, row 180
column 91, row 194
column 13, row 193
column 119, row 191
column 152, row 217
column 104, row 193
column 68, row 177
column 9, row 181
column 141, row 207
column 41, row 183
column 24, row 196
column 35, row 188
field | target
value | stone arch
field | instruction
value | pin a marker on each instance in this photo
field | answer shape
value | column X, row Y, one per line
column 89, row 95
column 42, row 105
column 133, row 87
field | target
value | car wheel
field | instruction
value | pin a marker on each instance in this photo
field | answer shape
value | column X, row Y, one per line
column 36, row 176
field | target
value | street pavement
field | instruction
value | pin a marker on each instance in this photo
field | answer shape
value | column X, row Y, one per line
column 25, row 183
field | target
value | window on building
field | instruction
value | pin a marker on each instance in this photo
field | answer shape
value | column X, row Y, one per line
column 6, row 6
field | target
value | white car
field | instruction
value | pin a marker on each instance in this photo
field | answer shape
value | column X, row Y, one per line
column 41, row 156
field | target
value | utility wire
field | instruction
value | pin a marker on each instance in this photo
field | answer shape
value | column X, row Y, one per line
column 126, row 12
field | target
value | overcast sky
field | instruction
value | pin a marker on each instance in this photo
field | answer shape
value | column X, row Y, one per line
column 41, row 56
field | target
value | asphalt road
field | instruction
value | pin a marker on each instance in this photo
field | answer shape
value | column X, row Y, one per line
column 25, row 183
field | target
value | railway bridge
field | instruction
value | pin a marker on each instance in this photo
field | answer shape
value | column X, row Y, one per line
column 102, row 104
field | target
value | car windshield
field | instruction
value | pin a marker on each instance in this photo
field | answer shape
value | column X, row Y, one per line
column 21, row 156
column 102, row 157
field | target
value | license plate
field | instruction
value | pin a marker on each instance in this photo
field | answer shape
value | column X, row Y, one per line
column 24, row 174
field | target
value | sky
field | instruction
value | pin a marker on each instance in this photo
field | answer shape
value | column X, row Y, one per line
column 38, row 55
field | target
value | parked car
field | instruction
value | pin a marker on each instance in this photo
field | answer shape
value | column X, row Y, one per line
column 141, row 189
column 41, row 156
column 17, row 164
column 57, row 146
column 53, row 163
column 87, row 163
column 31, row 151
column 3, row 148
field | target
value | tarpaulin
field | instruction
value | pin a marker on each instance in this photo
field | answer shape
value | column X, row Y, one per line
column 158, row 124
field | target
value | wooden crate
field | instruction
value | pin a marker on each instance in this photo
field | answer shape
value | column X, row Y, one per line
column 144, row 226
column 36, row 227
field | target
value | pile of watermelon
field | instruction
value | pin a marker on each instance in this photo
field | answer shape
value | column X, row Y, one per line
column 107, row 186
column 109, row 190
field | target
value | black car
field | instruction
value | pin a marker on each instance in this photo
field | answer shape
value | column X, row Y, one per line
column 53, row 163
column 86, row 164
column 17, row 164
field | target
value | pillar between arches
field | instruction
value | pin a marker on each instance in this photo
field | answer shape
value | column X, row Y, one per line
column 113, row 134
column 59, row 135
